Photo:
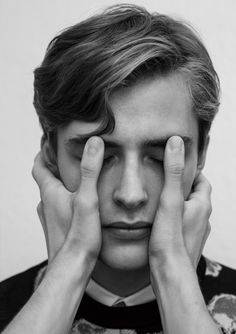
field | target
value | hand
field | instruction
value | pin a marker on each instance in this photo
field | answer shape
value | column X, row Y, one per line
column 178, row 235
column 71, row 220
column 197, row 211
column 180, row 227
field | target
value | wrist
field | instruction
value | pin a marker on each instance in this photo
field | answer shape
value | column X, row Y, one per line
column 176, row 279
column 74, row 248
column 172, row 272
column 169, row 262
column 70, row 269
column 58, row 296
column 181, row 303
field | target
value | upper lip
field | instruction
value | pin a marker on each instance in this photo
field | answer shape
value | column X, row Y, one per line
column 130, row 225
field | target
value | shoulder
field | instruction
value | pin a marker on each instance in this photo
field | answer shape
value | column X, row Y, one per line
column 15, row 291
column 219, row 290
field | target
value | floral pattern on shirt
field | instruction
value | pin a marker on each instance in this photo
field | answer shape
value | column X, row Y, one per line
column 212, row 268
column 223, row 310
column 82, row 326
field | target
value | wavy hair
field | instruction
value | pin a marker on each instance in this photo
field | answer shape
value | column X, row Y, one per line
column 86, row 62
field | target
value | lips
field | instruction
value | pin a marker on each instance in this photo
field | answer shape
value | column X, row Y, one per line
column 129, row 231
column 129, row 225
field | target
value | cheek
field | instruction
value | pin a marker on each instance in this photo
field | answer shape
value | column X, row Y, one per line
column 105, row 188
column 69, row 174
column 154, row 184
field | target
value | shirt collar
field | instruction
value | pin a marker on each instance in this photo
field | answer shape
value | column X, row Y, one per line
column 142, row 296
column 100, row 294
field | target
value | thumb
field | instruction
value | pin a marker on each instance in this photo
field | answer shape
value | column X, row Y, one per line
column 174, row 165
column 169, row 217
column 90, row 168
column 85, row 231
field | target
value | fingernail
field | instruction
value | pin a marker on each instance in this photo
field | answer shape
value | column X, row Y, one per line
column 93, row 145
column 176, row 143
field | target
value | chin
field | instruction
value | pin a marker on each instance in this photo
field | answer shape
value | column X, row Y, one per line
column 127, row 257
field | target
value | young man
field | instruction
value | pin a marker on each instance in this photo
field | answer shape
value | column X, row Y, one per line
column 126, row 100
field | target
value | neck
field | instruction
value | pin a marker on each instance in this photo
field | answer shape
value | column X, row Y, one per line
column 121, row 282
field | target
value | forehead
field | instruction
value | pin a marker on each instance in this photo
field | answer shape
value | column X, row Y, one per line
column 149, row 109
column 153, row 107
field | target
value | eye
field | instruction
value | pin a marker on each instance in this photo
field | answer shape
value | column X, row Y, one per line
column 108, row 159
column 77, row 157
column 155, row 159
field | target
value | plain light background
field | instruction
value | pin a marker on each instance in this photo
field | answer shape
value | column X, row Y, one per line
column 26, row 27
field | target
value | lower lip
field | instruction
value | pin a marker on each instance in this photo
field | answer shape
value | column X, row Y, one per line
column 132, row 234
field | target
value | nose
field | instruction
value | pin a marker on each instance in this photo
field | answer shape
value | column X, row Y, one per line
column 130, row 192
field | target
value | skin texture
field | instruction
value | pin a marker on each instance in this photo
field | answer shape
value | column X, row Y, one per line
column 163, row 186
column 131, row 180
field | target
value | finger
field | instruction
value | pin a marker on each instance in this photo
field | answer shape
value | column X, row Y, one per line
column 41, row 174
column 43, row 222
column 85, row 228
column 201, row 195
column 201, row 186
column 205, row 237
column 41, row 216
column 173, row 169
column 90, row 168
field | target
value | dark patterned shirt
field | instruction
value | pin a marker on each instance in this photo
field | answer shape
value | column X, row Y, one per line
column 217, row 282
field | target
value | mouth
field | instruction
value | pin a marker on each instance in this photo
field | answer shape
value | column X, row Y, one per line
column 129, row 231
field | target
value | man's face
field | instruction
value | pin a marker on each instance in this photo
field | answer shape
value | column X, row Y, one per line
column 132, row 177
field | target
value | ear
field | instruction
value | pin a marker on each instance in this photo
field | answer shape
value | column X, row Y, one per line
column 202, row 156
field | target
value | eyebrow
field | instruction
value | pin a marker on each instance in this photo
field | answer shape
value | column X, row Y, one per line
column 155, row 142
column 161, row 142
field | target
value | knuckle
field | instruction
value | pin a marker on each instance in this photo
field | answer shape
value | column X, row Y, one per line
column 39, row 208
column 207, row 207
column 33, row 172
column 176, row 169
column 209, row 187
column 87, row 171
column 209, row 211
column 45, row 193
column 49, row 194
column 204, row 206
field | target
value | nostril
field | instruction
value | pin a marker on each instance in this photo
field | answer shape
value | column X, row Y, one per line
column 130, row 192
column 130, row 201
